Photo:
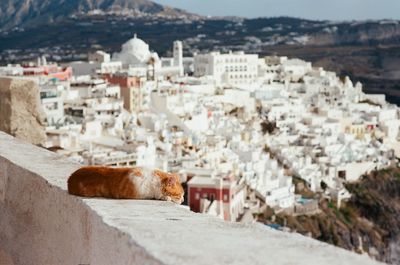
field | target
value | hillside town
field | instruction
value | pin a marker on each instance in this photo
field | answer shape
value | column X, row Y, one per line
column 242, row 131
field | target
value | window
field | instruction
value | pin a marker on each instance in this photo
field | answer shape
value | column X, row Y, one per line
column 51, row 106
column 197, row 196
column 212, row 197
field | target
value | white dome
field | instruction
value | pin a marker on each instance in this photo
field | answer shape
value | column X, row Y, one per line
column 134, row 51
column 138, row 48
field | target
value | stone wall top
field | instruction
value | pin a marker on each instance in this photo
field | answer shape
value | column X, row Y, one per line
column 36, row 210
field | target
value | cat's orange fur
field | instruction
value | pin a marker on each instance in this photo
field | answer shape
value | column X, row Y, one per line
column 125, row 183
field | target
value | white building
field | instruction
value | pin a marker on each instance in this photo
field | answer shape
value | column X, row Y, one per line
column 231, row 68
column 178, row 56
column 137, row 57
column 295, row 69
column 99, row 57
column 136, row 52
column 267, row 178
column 52, row 102
column 11, row 70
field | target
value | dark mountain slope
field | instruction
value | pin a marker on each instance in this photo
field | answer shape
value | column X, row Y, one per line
column 24, row 12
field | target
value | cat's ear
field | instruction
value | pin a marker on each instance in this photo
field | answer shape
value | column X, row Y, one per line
column 171, row 181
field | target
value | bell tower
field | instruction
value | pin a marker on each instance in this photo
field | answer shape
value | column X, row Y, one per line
column 178, row 56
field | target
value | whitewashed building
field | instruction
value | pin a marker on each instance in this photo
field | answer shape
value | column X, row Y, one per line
column 233, row 68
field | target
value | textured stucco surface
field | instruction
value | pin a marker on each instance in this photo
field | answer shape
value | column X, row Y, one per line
column 5, row 258
column 40, row 223
column 21, row 113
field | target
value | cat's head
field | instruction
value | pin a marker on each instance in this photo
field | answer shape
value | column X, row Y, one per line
column 171, row 188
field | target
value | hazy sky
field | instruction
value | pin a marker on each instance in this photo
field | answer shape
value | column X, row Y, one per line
column 311, row 9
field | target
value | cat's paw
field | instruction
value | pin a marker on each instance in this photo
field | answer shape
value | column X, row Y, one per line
column 167, row 198
column 171, row 199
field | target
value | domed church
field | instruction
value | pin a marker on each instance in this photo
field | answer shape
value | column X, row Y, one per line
column 136, row 52
column 137, row 59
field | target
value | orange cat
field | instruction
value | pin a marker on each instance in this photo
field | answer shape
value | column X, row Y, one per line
column 125, row 183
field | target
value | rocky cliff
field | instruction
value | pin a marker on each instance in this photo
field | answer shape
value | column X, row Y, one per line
column 365, row 33
column 368, row 223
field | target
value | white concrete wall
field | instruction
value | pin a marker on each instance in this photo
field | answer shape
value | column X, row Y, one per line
column 40, row 223
column 355, row 170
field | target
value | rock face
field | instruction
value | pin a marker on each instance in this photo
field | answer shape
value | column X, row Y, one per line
column 21, row 114
column 367, row 223
column 366, row 33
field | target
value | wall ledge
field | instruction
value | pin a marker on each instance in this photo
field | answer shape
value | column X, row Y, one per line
column 36, row 210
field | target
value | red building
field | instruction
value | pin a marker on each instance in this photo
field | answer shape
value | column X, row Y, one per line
column 224, row 192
